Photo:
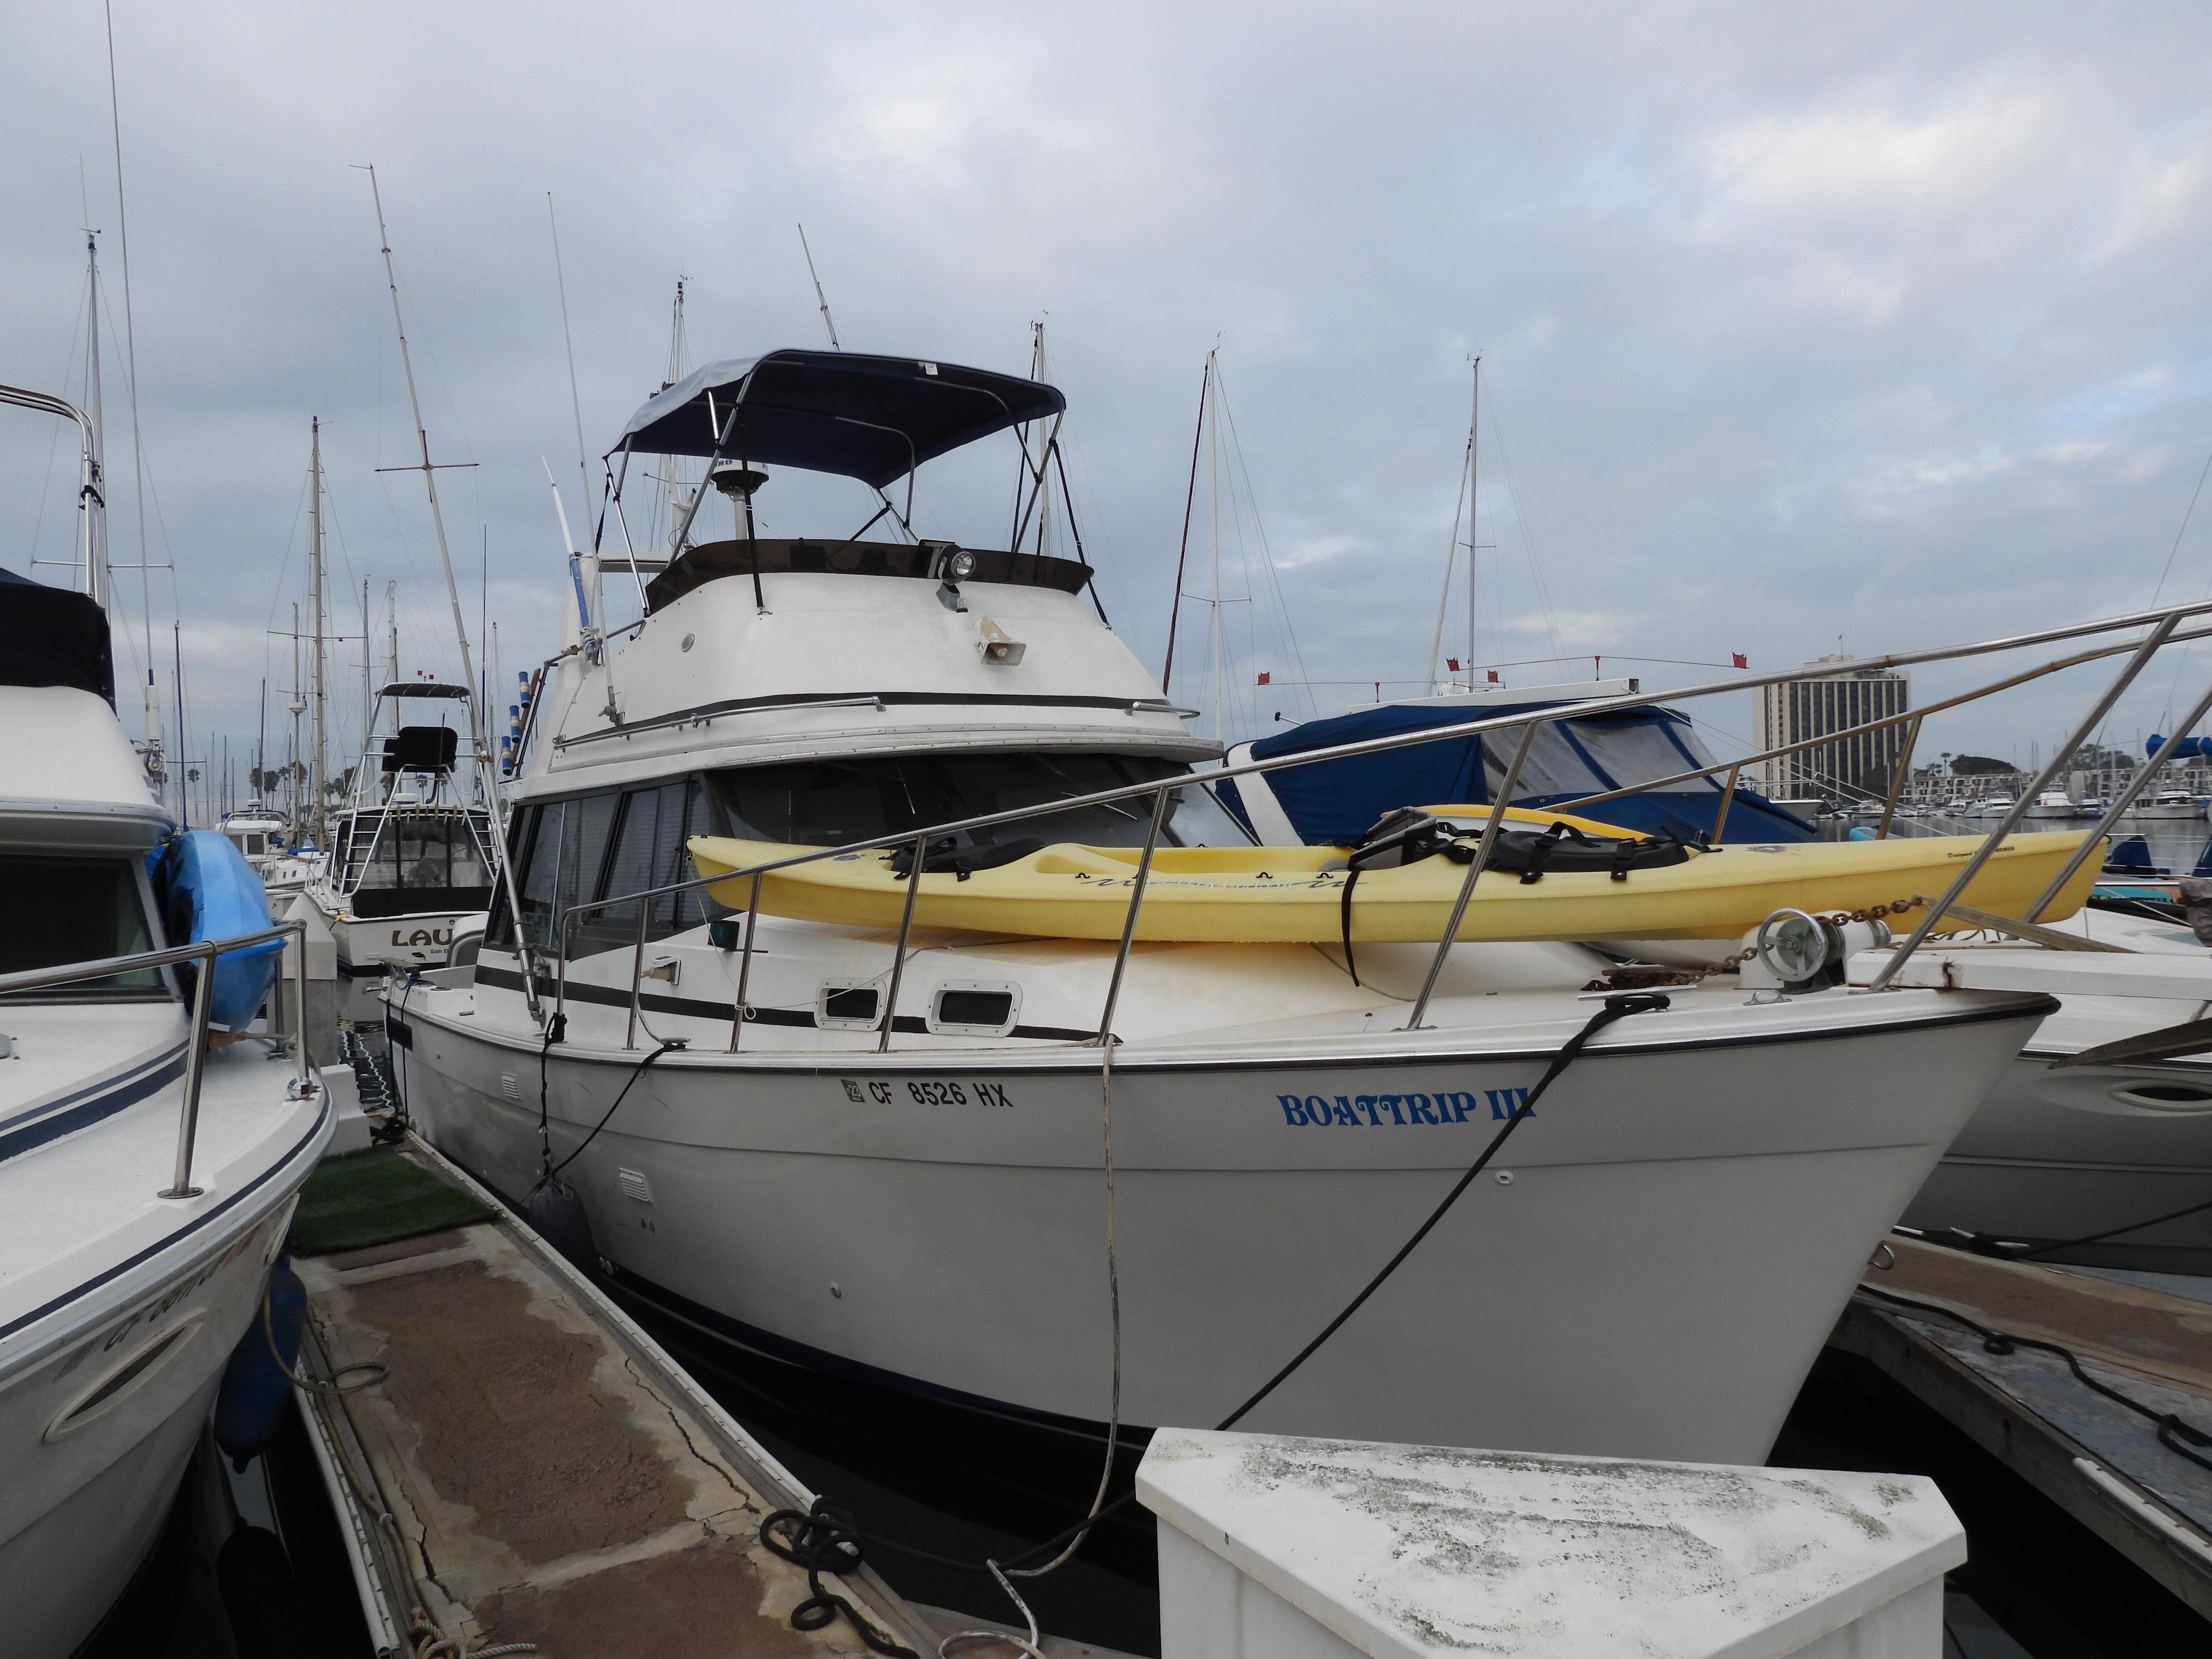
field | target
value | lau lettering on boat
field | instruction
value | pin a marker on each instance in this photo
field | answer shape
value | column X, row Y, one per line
column 423, row 936
column 1383, row 1111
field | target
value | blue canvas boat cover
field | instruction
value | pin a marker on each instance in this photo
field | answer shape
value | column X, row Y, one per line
column 1336, row 802
column 870, row 418
column 208, row 890
column 50, row 636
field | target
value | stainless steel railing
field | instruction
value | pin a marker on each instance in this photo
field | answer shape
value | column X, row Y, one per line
column 205, row 952
column 2163, row 624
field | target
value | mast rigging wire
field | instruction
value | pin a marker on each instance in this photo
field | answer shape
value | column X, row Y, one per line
column 1190, row 497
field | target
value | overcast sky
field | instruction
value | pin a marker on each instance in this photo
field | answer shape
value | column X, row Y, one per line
column 1883, row 325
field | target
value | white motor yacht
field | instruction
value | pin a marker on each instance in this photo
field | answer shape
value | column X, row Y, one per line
column 2053, row 804
column 412, row 855
column 888, row 1161
column 124, row 1290
column 2169, row 805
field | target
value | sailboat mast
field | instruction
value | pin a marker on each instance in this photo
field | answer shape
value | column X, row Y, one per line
column 297, row 706
column 97, row 576
column 315, row 570
column 94, row 535
column 430, row 470
column 1474, row 509
column 1213, row 508
column 367, row 671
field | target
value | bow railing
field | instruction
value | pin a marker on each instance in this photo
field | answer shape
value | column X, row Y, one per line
column 205, row 952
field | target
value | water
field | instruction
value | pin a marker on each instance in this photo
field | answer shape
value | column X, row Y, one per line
column 2176, row 844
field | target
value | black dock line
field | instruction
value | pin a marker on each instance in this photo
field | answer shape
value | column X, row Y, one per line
column 2172, row 1430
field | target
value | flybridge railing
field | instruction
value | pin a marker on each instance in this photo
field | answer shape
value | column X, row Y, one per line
column 2163, row 623
column 205, row 952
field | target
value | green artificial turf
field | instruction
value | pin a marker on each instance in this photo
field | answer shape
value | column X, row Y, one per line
column 373, row 1198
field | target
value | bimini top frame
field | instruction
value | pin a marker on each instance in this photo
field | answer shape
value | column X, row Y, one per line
column 871, row 418
column 876, row 419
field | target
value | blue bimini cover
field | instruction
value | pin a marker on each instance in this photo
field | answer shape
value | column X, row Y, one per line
column 871, row 418
column 1336, row 802
column 208, row 890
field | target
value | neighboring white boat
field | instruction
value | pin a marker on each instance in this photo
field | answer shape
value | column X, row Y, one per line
column 2060, row 1154
column 2054, row 804
column 411, row 855
column 1649, row 1269
column 2169, row 805
column 120, row 1299
column 263, row 837
column 1990, row 806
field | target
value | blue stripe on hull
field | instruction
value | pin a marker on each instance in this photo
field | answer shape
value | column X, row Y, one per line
column 71, row 1113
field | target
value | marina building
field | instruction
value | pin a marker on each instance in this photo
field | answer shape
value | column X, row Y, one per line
column 1796, row 711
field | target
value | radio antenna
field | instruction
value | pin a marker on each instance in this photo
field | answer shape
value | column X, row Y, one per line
column 820, row 298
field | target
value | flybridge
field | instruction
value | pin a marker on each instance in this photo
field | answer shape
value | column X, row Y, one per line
column 872, row 419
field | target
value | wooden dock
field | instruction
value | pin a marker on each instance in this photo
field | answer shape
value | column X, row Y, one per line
column 533, row 1468
column 2108, row 1466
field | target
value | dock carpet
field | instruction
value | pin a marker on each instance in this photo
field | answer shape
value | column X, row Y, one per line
column 373, row 1198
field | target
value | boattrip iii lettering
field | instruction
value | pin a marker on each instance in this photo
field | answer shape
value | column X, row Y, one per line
column 1383, row 1111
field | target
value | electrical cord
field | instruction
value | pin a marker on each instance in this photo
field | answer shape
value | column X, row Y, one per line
column 1615, row 1008
column 2172, row 1432
column 2002, row 1249
column 546, row 1179
column 2092, row 1238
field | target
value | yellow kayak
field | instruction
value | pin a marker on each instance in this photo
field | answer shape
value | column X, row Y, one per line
column 1284, row 895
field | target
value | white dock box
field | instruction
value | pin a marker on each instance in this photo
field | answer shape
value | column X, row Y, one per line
column 1278, row 1547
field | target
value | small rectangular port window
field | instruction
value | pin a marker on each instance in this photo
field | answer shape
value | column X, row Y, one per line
column 975, row 1008
column 844, row 1005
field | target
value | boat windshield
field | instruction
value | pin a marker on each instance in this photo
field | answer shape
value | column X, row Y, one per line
column 434, row 851
column 413, row 863
column 828, row 803
column 61, row 910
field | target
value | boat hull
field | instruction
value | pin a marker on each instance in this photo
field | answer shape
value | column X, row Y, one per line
column 1678, row 1233
column 85, row 1483
column 2054, row 1156
column 369, row 948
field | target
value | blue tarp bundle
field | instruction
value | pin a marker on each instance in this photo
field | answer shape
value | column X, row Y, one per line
column 2187, row 749
column 1336, row 802
column 208, row 890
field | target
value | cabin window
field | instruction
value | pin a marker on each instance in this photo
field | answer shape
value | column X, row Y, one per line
column 60, row 910
column 831, row 802
column 647, row 851
column 572, row 852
